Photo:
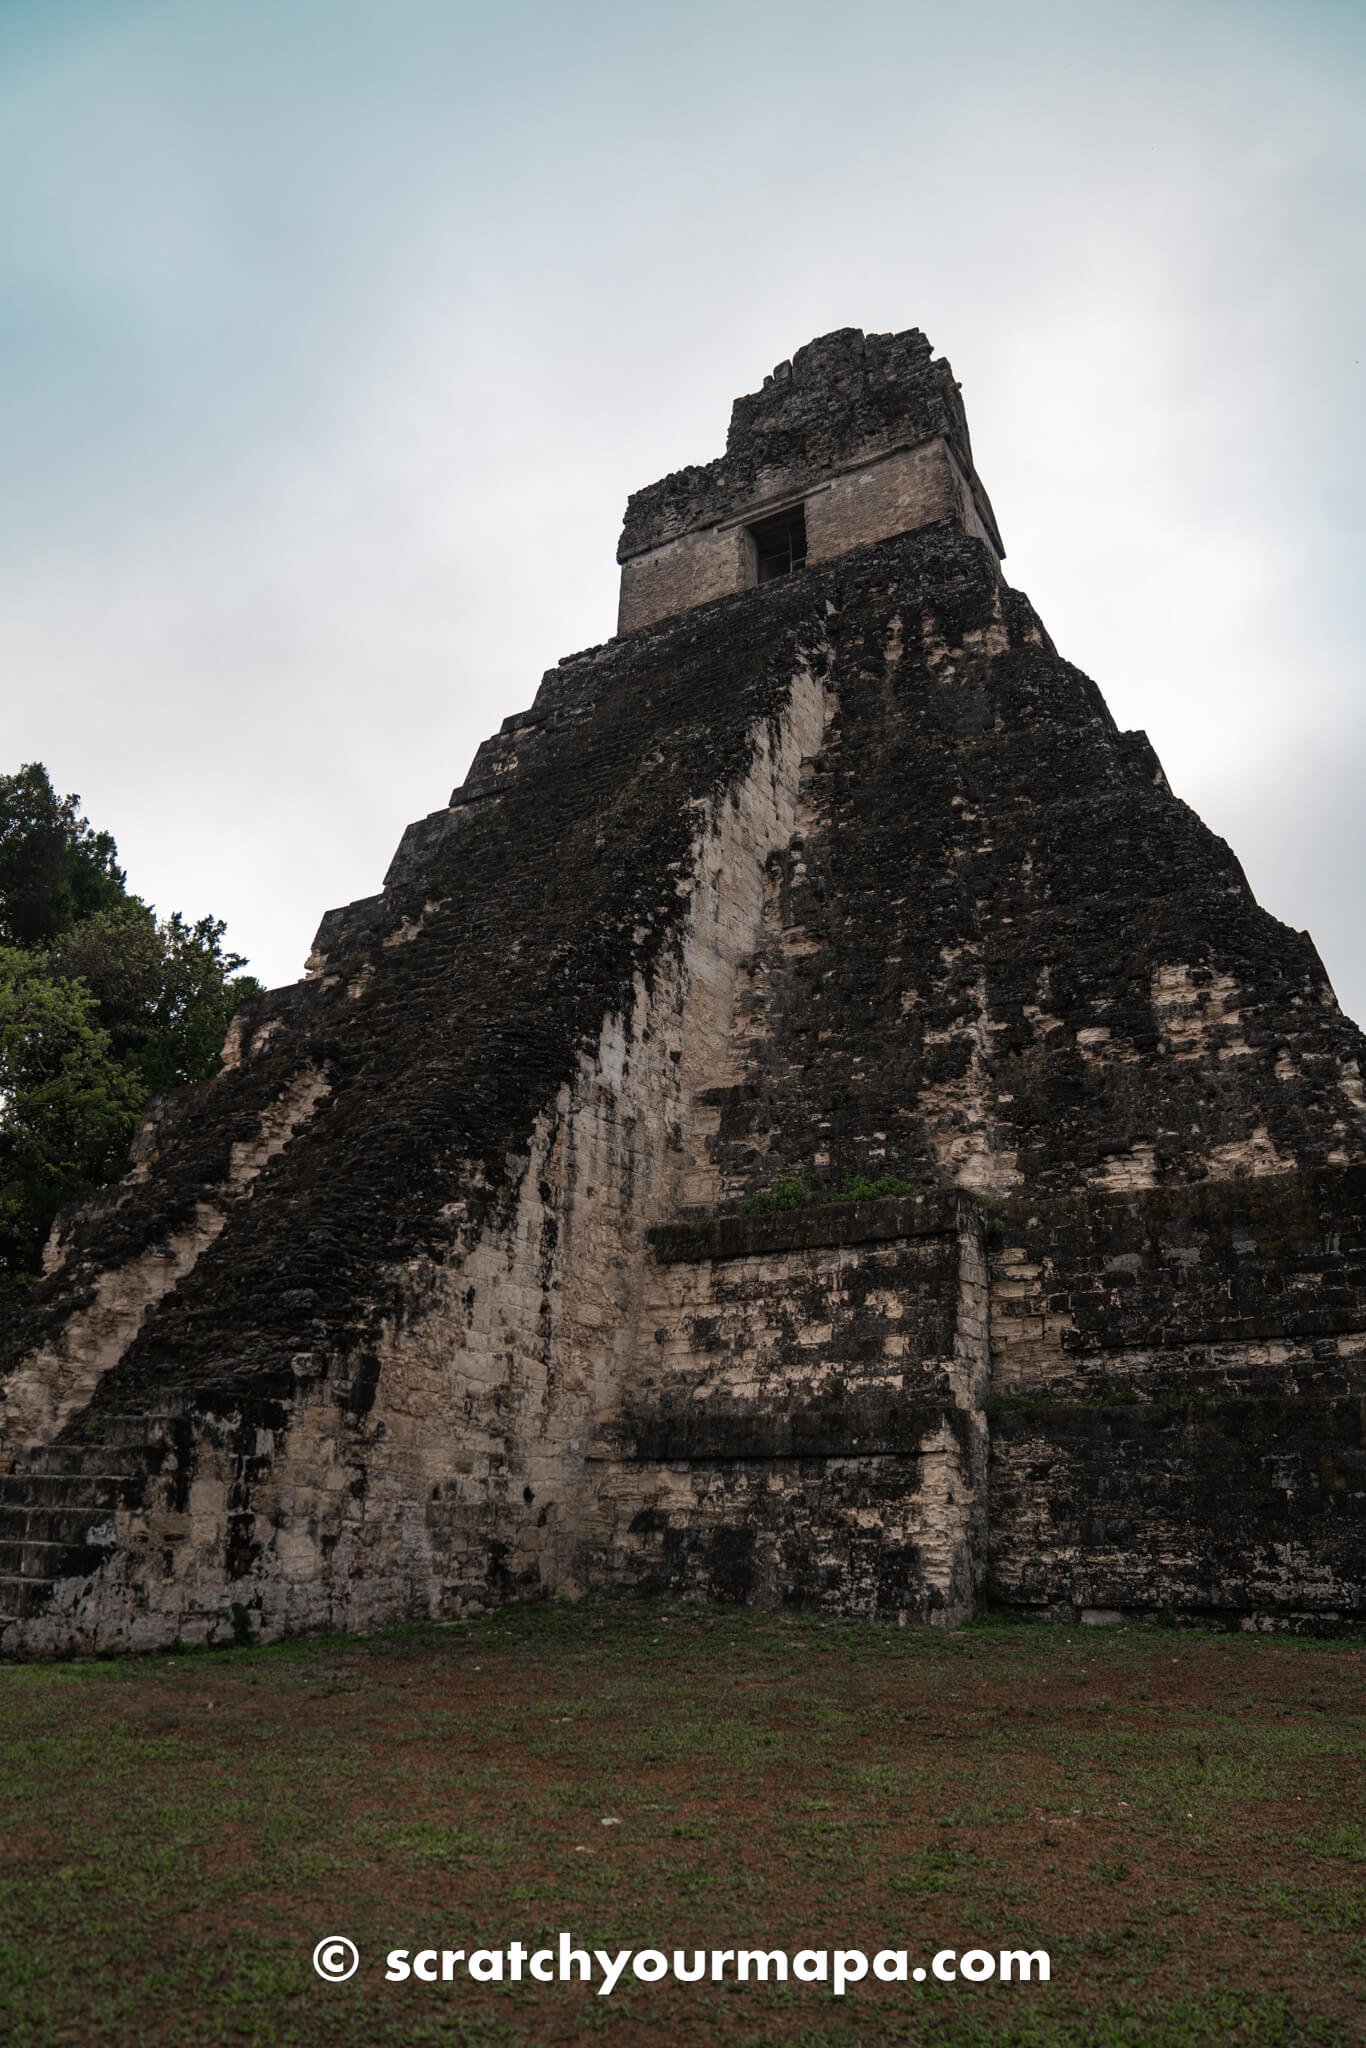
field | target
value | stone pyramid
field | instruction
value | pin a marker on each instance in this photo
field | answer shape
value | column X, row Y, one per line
column 815, row 1120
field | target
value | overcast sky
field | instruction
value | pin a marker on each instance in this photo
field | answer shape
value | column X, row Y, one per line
column 337, row 331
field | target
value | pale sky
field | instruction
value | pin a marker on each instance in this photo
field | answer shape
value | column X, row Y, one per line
column 336, row 333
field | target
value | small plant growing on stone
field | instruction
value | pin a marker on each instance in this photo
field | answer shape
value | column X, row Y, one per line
column 857, row 1187
column 790, row 1190
column 787, row 1191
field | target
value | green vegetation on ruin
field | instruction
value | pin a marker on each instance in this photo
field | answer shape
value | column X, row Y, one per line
column 102, row 1005
column 792, row 1190
column 1175, row 1815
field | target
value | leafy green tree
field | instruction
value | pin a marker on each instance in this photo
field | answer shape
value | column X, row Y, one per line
column 166, row 989
column 54, row 868
column 68, row 1107
column 101, row 1005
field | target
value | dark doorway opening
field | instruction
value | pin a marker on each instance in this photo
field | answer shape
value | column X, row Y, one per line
column 780, row 544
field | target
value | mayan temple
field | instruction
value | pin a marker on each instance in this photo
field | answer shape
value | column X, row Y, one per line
column 814, row 1121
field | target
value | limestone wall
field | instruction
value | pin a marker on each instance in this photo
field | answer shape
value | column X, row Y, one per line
column 693, row 570
column 1177, row 1414
column 802, row 1418
column 911, row 488
column 1244, row 1507
column 868, row 502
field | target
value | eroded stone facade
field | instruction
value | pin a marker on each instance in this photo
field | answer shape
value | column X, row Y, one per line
column 450, row 1289
column 865, row 435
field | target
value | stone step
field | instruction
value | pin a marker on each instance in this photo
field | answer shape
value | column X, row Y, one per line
column 23, row 1523
column 46, row 1561
column 21, row 1599
column 74, row 1459
column 135, row 1432
column 65, row 1490
column 58, row 1495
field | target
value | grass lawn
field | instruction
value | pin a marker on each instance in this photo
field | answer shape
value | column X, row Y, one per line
column 1178, row 1817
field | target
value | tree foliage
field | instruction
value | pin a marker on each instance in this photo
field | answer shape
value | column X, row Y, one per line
column 165, row 989
column 67, row 1106
column 54, row 869
column 102, row 1004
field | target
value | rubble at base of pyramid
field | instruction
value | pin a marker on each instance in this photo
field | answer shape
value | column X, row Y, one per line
column 465, row 1280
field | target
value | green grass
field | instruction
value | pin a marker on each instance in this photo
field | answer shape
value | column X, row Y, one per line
column 1175, row 1816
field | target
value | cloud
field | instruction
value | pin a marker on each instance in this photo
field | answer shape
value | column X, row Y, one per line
column 348, row 329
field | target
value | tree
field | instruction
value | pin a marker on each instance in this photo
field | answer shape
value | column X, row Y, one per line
column 68, row 1107
column 165, row 990
column 101, row 1005
column 54, row 869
